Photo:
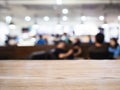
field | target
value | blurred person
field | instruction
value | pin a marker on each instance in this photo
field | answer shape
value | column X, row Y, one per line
column 61, row 53
column 90, row 39
column 76, row 50
column 51, row 40
column 77, row 41
column 101, row 30
column 65, row 38
column 57, row 39
column 11, row 41
column 41, row 41
column 99, row 50
column 7, row 40
column 114, row 48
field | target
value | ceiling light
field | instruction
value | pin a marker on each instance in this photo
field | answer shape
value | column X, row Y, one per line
column 8, row 19
column 64, row 18
column 119, row 18
column 101, row 18
column 46, row 18
column 83, row 18
column 65, row 11
column 59, row 2
column 27, row 18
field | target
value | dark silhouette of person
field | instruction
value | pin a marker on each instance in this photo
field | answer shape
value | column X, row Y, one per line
column 61, row 53
column 99, row 50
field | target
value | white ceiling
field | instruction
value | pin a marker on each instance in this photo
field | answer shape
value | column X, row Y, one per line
column 49, row 2
column 37, row 6
column 21, row 8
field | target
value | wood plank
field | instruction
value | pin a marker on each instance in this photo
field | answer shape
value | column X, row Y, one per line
column 60, row 75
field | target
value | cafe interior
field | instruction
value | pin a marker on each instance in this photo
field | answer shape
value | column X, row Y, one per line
column 23, row 21
column 59, row 44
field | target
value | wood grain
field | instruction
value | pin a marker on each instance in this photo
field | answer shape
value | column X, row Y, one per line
column 60, row 75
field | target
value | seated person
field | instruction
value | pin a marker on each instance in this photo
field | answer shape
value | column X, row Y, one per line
column 77, row 41
column 117, row 53
column 61, row 53
column 98, row 50
column 57, row 39
column 114, row 48
column 76, row 50
column 41, row 41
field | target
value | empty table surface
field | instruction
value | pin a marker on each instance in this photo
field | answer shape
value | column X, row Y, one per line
column 60, row 75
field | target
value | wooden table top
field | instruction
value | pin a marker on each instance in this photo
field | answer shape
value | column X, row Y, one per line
column 60, row 75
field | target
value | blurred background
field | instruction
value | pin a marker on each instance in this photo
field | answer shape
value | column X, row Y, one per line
column 23, row 20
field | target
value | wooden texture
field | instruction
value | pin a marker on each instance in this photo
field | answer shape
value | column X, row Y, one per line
column 24, row 52
column 60, row 75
